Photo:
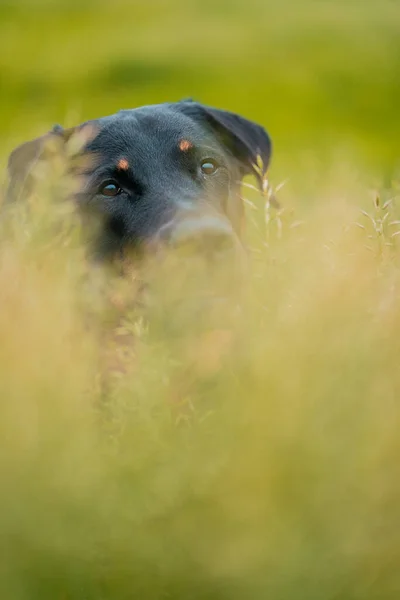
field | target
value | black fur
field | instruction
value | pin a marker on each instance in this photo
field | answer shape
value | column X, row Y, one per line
column 163, row 183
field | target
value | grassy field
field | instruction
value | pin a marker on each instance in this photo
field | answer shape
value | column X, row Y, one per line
column 176, row 451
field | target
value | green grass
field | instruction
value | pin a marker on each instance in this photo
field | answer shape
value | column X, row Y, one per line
column 316, row 73
column 175, row 450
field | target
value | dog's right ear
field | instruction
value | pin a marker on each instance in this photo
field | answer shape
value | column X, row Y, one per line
column 25, row 157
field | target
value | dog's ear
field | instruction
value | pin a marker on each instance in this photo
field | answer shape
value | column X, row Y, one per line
column 246, row 140
column 25, row 157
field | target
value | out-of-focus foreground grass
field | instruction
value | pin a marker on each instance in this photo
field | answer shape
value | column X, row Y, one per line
column 161, row 452
column 181, row 449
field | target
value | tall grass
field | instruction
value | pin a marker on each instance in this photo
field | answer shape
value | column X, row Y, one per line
column 171, row 448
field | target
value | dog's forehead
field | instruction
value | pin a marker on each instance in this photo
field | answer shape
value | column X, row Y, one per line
column 150, row 126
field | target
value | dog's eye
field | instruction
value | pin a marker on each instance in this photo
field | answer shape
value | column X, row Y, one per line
column 209, row 166
column 110, row 189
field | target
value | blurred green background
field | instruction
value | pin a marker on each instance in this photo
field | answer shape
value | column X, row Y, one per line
column 322, row 75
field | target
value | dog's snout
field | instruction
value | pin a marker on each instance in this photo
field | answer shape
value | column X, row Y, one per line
column 208, row 235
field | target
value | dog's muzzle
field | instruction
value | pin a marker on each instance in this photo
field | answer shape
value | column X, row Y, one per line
column 207, row 235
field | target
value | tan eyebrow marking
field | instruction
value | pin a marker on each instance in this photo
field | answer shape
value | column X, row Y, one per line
column 185, row 145
column 123, row 164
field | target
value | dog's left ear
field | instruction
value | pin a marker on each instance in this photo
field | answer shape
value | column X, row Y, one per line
column 246, row 140
column 25, row 157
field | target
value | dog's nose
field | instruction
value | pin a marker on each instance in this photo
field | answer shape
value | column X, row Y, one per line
column 209, row 235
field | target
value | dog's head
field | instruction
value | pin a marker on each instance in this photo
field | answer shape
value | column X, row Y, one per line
column 167, row 173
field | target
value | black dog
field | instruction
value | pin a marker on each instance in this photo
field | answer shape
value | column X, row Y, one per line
column 168, row 173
